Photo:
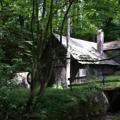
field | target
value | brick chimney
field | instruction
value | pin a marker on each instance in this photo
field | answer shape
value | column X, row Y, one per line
column 100, row 41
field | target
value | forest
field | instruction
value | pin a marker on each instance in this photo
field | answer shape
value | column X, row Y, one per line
column 26, row 31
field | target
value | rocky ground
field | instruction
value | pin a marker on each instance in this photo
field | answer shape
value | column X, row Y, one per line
column 104, row 116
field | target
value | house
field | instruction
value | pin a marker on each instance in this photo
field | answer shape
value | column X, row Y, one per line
column 111, row 48
column 81, row 50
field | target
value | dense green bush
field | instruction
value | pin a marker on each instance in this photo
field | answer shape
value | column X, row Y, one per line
column 54, row 100
column 117, row 116
column 10, row 100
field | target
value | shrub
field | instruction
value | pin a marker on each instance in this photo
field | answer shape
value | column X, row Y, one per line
column 10, row 100
column 117, row 116
column 54, row 100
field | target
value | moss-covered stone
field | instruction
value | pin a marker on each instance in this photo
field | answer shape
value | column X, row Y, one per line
column 79, row 110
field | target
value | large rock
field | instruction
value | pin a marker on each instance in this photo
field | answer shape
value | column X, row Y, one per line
column 22, row 79
column 113, row 96
column 85, row 109
column 100, row 101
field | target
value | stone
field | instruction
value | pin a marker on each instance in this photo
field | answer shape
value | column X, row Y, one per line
column 113, row 96
column 22, row 79
column 101, row 102
column 104, row 116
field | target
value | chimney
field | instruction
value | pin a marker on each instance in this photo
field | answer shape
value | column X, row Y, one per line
column 100, row 41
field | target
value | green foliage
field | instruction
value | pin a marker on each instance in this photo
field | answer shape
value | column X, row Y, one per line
column 117, row 116
column 117, row 77
column 10, row 96
column 11, row 100
column 112, row 84
column 54, row 100
column 94, row 82
column 5, row 73
column 16, row 41
column 20, row 65
column 57, row 86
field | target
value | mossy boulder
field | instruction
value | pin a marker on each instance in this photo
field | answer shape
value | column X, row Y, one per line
column 80, row 109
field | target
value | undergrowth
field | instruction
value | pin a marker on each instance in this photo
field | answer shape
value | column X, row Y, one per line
column 11, row 100
column 117, row 77
column 117, row 116
column 107, row 84
column 54, row 100
column 50, row 105
column 112, row 84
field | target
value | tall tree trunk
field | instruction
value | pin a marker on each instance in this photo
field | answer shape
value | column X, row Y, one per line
column 40, row 50
column 68, row 52
column 94, row 36
column 65, row 16
column 49, row 53
column 21, row 20
column 33, row 47
column 31, row 97
column 35, row 74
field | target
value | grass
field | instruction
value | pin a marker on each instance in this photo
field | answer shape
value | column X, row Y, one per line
column 52, row 102
column 112, row 84
column 106, row 78
column 113, row 78
column 107, row 84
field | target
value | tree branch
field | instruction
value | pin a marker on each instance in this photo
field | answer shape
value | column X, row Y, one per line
column 32, row 35
column 42, row 31
column 47, row 28
column 64, row 20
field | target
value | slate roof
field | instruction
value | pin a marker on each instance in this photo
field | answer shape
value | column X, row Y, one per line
column 81, row 49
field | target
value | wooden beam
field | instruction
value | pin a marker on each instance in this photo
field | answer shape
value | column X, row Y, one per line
column 93, row 82
column 110, row 88
column 91, row 76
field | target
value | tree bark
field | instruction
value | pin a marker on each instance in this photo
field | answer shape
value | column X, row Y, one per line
column 35, row 74
column 44, row 87
column 49, row 53
column 21, row 21
column 33, row 47
column 40, row 50
column 94, row 36
column 64, row 20
column 68, row 52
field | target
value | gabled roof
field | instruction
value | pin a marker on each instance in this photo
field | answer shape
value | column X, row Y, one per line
column 81, row 49
column 112, row 45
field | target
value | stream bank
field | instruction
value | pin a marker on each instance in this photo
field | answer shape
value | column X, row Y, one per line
column 104, row 116
column 96, row 107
